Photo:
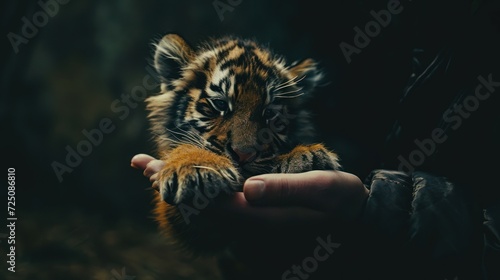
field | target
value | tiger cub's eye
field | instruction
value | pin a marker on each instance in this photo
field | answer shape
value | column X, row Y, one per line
column 219, row 105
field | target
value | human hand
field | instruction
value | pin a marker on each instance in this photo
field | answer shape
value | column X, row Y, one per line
column 150, row 167
column 286, row 198
column 339, row 195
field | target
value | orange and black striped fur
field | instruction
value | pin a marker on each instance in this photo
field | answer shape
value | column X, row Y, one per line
column 227, row 110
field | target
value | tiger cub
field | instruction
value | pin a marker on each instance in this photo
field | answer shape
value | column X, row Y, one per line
column 228, row 109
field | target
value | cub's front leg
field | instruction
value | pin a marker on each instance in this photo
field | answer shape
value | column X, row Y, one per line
column 306, row 158
column 189, row 169
column 189, row 174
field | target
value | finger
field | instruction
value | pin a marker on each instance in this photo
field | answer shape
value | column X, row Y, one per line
column 242, row 210
column 302, row 189
column 140, row 161
column 156, row 186
column 153, row 178
column 153, row 167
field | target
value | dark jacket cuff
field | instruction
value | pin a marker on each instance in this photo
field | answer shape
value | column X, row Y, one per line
column 388, row 207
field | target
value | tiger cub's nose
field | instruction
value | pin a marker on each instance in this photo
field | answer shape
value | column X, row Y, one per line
column 243, row 155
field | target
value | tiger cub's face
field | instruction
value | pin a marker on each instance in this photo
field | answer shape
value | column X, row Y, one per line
column 230, row 96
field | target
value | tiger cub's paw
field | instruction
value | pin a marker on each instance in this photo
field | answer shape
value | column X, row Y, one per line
column 306, row 158
column 184, row 178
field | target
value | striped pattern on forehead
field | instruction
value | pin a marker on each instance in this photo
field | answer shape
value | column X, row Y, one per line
column 241, row 62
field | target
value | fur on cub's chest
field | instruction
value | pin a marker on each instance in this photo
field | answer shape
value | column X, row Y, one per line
column 228, row 109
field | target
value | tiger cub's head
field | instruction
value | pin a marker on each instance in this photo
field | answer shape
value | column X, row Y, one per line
column 231, row 96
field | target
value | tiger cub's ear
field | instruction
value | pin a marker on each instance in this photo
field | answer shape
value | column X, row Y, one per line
column 306, row 74
column 171, row 54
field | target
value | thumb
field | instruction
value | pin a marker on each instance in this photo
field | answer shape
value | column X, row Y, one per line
column 300, row 189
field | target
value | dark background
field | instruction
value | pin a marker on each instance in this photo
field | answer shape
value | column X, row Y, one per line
column 96, row 221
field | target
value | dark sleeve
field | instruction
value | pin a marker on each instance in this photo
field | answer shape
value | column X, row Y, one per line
column 426, row 221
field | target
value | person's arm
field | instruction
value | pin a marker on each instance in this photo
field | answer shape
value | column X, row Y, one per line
column 426, row 221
